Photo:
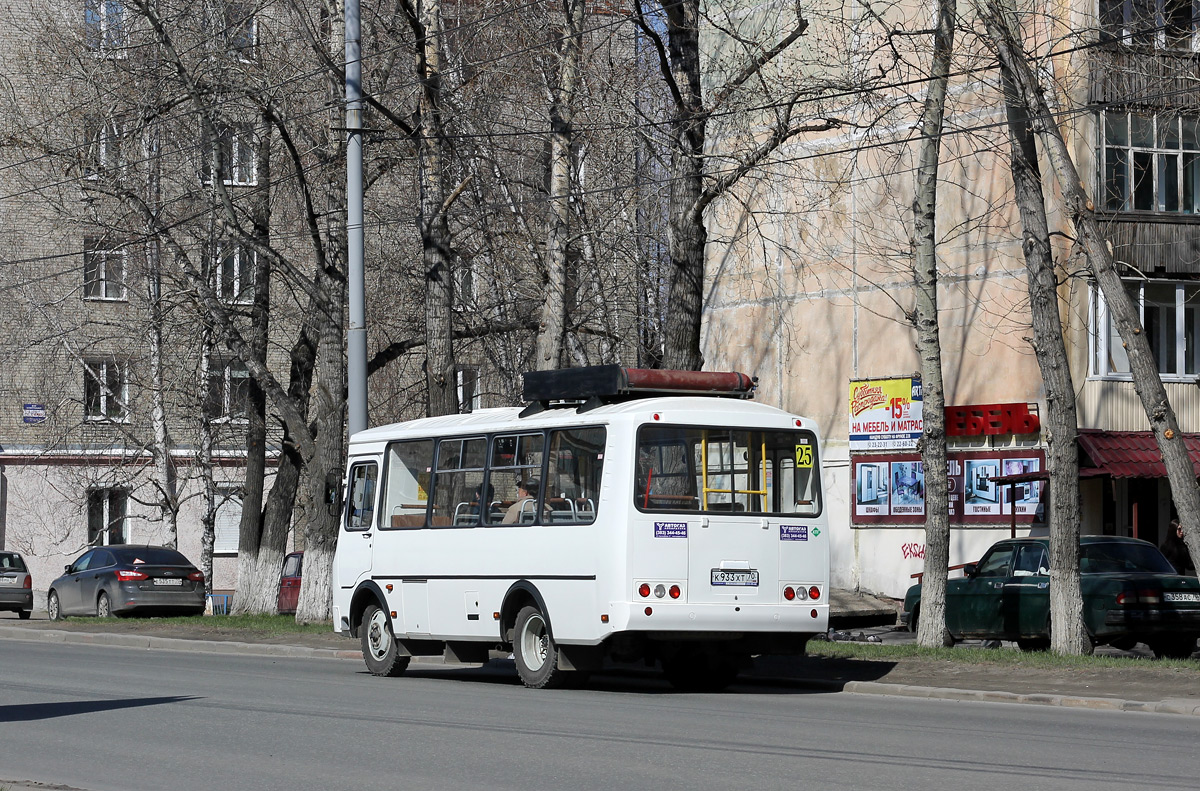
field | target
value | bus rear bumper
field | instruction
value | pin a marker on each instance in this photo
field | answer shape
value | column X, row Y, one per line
column 710, row 619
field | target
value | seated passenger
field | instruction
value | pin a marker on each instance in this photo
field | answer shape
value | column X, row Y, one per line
column 527, row 492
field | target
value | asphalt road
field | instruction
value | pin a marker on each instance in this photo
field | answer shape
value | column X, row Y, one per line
column 100, row 718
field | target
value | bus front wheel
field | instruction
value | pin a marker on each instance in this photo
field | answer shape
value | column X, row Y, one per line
column 534, row 651
column 379, row 648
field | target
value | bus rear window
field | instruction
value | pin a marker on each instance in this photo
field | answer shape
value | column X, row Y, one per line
column 730, row 470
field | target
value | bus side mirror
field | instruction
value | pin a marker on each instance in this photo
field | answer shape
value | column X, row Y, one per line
column 333, row 493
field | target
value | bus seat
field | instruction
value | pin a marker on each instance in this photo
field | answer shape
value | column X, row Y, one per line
column 408, row 520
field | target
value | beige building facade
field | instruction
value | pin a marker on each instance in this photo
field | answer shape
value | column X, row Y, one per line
column 810, row 278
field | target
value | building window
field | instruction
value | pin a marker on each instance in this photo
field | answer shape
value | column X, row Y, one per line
column 105, row 390
column 1150, row 162
column 104, row 156
column 107, row 514
column 103, row 270
column 1162, row 24
column 241, row 29
column 228, row 390
column 235, row 156
column 1170, row 314
column 233, row 25
column 468, row 388
column 236, row 270
column 228, row 524
column 104, row 25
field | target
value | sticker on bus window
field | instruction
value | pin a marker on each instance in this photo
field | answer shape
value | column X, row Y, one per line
column 804, row 456
column 670, row 529
column 793, row 532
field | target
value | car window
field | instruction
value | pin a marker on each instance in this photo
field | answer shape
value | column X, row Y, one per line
column 11, row 561
column 996, row 563
column 101, row 559
column 1030, row 560
column 84, row 561
column 291, row 565
column 151, row 556
column 1116, row 557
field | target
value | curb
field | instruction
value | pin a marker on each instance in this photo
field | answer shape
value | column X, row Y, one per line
column 1168, row 706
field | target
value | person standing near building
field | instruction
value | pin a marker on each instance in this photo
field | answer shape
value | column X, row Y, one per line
column 1175, row 550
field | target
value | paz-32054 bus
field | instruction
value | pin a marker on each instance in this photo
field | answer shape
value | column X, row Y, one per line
column 625, row 514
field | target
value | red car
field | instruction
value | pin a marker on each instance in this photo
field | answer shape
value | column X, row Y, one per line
column 289, row 583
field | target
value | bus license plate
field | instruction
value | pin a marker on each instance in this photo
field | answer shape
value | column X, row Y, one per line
column 1181, row 597
column 167, row 581
column 743, row 577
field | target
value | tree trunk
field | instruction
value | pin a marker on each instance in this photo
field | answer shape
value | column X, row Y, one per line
column 686, row 233
column 932, row 623
column 1142, row 364
column 551, row 328
column 251, row 530
column 320, row 526
column 440, row 372
column 208, row 519
column 1069, row 634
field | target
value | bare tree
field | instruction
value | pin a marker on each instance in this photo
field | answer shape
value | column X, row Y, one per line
column 1002, row 28
column 1069, row 635
column 924, row 318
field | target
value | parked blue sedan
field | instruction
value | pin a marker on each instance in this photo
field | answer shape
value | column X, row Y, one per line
column 1131, row 594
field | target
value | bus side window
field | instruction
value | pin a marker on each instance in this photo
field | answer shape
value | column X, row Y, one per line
column 576, row 463
column 407, row 474
column 361, row 508
column 458, row 482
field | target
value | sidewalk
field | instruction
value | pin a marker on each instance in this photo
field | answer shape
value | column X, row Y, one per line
column 1146, row 686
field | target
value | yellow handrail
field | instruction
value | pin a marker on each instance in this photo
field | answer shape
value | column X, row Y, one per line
column 704, row 473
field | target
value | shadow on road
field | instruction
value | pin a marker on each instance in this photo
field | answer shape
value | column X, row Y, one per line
column 28, row 712
column 772, row 675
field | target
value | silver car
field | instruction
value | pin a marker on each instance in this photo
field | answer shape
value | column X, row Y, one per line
column 16, row 585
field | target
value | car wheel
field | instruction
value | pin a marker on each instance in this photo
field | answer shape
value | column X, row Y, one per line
column 24, row 614
column 103, row 606
column 534, row 651
column 53, row 607
column 701, row 671
column 1174, row 648
column 380, row 650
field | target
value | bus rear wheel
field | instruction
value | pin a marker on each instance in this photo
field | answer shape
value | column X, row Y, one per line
column 535, row 653
column 379, row 648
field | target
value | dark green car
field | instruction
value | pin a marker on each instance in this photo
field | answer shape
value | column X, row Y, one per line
column 1131, row 594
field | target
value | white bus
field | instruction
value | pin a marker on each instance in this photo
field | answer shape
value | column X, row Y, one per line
column 624, row 515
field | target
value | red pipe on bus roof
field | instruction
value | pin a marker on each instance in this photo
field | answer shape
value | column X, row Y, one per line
column 691, row 381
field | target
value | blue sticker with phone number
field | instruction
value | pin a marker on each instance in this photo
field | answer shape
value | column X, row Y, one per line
column 793, row 532
column 670, row 529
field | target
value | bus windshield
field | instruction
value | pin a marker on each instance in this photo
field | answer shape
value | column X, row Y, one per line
column 690, row 468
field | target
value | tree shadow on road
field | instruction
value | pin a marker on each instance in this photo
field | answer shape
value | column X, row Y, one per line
column 29, row 712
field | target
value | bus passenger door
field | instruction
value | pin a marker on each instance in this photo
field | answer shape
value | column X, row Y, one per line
column 356, row 541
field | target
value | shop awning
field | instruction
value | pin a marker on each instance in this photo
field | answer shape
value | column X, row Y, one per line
column 1128, row 454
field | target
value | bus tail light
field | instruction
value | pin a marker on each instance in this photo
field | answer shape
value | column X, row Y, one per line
column 644, row 590
column 674, row 592
column 660, row 590
column 789, row 593
column 814, row 593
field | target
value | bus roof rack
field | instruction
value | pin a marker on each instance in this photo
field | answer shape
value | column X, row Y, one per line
column 592, row 386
